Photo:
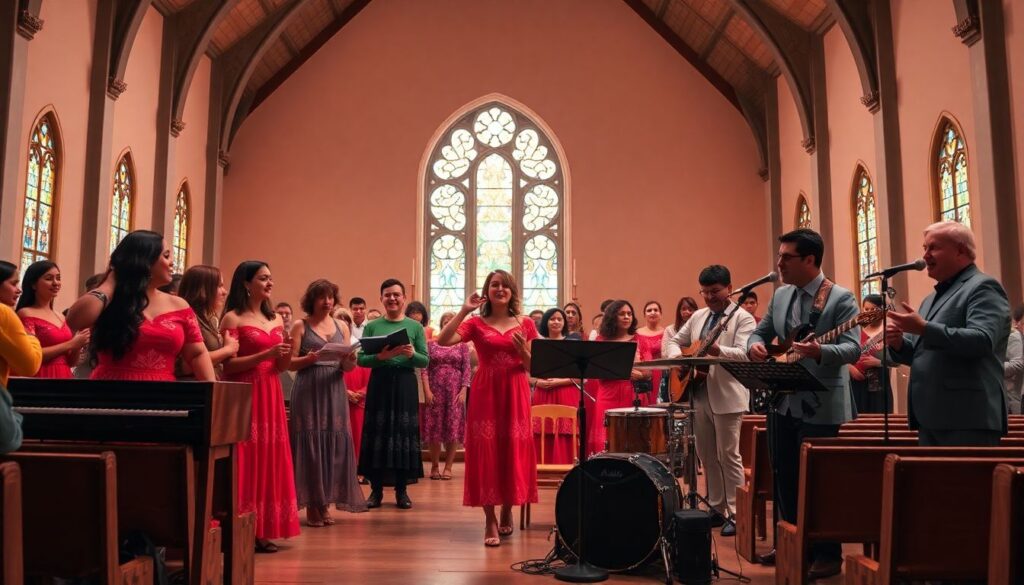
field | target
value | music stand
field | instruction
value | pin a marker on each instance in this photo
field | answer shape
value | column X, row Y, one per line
column 580, row 360
column 776, row 377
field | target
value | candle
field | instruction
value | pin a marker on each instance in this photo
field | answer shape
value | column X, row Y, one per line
column 574, row 272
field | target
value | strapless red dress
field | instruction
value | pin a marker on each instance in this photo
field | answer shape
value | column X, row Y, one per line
column 152, row 356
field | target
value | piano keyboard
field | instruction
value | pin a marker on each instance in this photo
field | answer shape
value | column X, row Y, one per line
column 101, row 411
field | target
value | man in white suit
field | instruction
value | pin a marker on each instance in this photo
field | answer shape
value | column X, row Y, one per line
column 719, row 401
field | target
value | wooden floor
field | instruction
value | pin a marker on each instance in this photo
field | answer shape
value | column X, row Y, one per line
column 441, row 542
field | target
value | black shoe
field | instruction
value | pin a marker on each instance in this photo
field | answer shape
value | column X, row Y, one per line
column 716, row 519
column 767, row 560
column 729, row 529
column 374, row 500
column 821, row 568
column 403, row 501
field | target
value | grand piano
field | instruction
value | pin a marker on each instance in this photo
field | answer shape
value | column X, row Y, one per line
column 175, row 447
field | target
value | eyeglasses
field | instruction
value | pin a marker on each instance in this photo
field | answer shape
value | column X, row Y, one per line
column 787, row 257
column 711, row 293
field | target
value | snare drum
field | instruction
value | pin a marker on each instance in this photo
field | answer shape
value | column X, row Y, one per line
column 631, row 430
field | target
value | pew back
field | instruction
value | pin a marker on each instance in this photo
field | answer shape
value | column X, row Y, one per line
column 1006, row 553
column 11, row 570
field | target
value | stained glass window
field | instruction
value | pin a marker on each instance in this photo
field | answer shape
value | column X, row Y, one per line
column 40, row 195
column 180, row 239
column 954, row 198
column 803, row 212
column 867, row 232
column 494, row 194
column 124, row 193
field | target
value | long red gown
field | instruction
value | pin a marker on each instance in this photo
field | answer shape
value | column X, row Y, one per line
column 611, row 394
column 49, row 335
column 501, row 464
column 266, row 481
column 356, row 380
column 650, row 347
column 558, row 446
column 152, row 357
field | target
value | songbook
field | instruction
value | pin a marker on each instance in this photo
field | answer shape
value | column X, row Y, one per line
column 376, row 344
column 336, row 352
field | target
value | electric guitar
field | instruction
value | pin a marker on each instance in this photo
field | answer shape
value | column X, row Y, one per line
column 680, row 379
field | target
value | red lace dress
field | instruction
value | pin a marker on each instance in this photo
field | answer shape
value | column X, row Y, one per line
column 266, row 481
column 650, row 346
column 610, row 394
column 355, row 381
column 501, row 464
column 152, row 357
column 558, row 446
column 49, row 335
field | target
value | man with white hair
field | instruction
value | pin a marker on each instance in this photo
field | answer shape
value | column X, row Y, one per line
column 955, row 345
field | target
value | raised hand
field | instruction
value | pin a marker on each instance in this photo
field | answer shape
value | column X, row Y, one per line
column 473, row 302
column 910, row 322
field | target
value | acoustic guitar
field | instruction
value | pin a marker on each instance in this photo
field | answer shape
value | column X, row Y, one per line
column 680, row 379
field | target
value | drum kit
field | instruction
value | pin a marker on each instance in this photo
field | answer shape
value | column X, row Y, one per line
column 631, row 488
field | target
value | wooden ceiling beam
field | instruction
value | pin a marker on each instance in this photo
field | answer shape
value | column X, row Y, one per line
column 716, row 36
column 127, row 21
column 194, row 30
column 854, row 19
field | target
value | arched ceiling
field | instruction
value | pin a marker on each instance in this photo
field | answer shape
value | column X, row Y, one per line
column 740, row 46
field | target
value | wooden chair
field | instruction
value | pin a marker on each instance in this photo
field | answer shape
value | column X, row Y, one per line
column 1006, row 540
column 840, row 497
column 934, row 522
column 752, row 498
column 549, row 474
column 71, row 499
column 11, row 555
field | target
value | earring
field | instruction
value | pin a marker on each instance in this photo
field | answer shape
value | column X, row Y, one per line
column 248, row 293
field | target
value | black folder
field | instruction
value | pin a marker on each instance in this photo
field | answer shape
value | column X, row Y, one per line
column 374, row 345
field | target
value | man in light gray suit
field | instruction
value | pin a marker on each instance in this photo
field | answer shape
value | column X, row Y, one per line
column 807, row 300
column 955, row 346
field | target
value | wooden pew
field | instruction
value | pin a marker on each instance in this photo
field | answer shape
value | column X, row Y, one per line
column 934, row 522
column 70, row 500
column 11, row 555
column 752, row 498
column 840, row 497
column 1006, row 538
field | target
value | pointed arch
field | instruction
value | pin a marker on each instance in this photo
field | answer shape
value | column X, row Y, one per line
column 123, row 199
column 182, row 222
column 865, row 229
column 950, row 173
column 42, row 186
column 494, row 195
column 803, row 212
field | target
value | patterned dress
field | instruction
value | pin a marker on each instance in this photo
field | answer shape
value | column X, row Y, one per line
column 266, row 482
column 152, row 357
column 501, row 464
column 444, row 421
column 49, row 335
column 558, row 446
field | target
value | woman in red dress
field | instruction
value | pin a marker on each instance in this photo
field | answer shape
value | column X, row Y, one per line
column 649, row 338
column 138, row 331
column 618, row 324
column 265, row 474
column 35, row 309
column 558, row 446
column 501, row 465
column 356, row 381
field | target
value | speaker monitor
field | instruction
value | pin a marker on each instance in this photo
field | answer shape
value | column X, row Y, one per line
column 690, row 545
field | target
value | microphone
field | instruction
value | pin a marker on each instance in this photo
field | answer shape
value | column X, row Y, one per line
column 918, row 264
column 770, row 277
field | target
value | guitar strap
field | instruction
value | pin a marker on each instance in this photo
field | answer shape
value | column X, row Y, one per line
column 819, row 302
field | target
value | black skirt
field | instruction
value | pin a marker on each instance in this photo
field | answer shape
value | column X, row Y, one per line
column 391, row 428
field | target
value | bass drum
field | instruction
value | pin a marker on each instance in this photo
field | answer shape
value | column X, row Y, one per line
column 630, row 500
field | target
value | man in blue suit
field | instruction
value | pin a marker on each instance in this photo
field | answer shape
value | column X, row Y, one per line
column 809, row 298
column 955, row 345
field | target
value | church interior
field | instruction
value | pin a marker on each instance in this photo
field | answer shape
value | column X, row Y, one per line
column 586, row 150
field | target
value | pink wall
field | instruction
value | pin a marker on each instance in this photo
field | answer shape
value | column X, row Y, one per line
column 59, row 59
column 135, row 117
column 190, row 157
column 933, row 76
column 851, row 138
column 796, row 163
column 1014, row 14
column 660, row 163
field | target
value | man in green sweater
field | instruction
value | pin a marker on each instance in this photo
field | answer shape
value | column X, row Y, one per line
column 390, row 450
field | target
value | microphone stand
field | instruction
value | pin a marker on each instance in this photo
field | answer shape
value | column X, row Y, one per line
column 887, row 294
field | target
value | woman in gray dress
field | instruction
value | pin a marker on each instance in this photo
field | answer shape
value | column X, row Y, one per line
column 321, row 436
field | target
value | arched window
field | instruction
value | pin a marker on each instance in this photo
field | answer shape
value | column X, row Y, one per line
column 951, row 153
column 40, row 194
column 124, row 195
column 867, row 231
column 181, row 220
column 803, row 212
column 493, row 195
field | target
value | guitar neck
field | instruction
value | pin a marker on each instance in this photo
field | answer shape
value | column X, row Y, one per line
column 830, row 336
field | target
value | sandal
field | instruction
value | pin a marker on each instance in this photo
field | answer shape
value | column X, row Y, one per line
column 505, row 530
column 492, row 541
column 265, row 546
column 447, row 475
column 435, row 474
column 325, row 515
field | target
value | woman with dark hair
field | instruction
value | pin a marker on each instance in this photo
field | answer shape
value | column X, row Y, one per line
column 573, row 321
column 321, row 436
column 684, row 309
column 418, row 312
column 61, row 348
column 202, row 287
column 618, row 324
column 649, row 338
column 9, row 289
column 445, row 382
column 501, row 468
column 558, row 446
column 138, row 331
column 872, row 393
column 266, row 481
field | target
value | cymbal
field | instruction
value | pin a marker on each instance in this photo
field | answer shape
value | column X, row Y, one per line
column 668, row 363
